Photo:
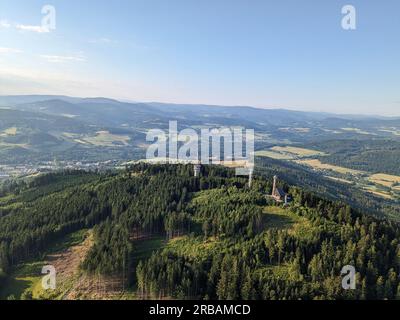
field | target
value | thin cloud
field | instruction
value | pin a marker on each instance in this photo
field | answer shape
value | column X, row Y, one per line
column 4, row 24
column 102, row 41
column 38, row 29
column 9, row 50
column 62, row 59
column 107, row 41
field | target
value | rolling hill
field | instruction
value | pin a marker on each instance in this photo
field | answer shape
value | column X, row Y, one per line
column 154, row 232
column 60, row 123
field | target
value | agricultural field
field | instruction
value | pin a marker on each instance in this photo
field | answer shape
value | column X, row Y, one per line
column 288, row 153
column 386, row 180
column 339, row 179
column 318, row 165
column 376, row 191
column 9, row 132
column 295, row 130
column 274, row 155
column 357, row 130
column 299, row 152
column 393, row 131
column 106, row 139
column 382, row 185
column 14, row 145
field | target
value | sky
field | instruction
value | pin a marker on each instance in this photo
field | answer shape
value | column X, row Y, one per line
column 271, row 54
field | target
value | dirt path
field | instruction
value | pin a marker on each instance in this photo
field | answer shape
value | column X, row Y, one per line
column 67, row 262
column 73, row 284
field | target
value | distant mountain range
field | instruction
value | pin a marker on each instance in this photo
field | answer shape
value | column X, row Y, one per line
column 44, row 127
column 58, row 104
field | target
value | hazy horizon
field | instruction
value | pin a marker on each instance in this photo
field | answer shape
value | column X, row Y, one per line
column 264, row 54
column 56, row 96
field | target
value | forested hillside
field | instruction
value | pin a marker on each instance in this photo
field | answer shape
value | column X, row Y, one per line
column 336, row 190
column 372, row 155
column 166, row 234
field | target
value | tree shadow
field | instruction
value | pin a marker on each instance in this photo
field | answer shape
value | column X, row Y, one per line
column 277, row 221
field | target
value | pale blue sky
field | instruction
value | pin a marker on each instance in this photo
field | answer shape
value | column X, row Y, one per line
column 288, row 54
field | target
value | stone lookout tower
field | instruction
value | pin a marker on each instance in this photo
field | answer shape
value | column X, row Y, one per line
column 277, row 193
column 197, row 170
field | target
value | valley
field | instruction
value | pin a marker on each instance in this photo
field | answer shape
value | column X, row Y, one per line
column 358, row 153
column 379, row 184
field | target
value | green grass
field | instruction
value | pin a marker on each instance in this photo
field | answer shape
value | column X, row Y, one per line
column 106, row 139
column 24, row 277
column 278, row 218
column 299, row 152
column 68, row 241
column 142, row 249
column 284, row 272
column 273, row 155
column 28, row 277
column 193, row 247
column 283, row 219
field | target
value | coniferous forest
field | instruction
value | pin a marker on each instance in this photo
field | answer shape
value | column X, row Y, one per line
column 216, row 237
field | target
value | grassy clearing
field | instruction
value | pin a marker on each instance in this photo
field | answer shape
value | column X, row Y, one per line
column 339, row 179
column 284, row 272
column 70, row 240
column 357, row 130
column 382, row 194
column 273, row 155
column 375, row 190
column 14, row 145
column 331, row 131
column 143, row 249
column 278, row 218
column 283, row 219
column 5, row 200
column 71, row 116
column 318, row 165
column 107, row 139
column 9, row 132
column 296, row 130
column 27, row 277
column 392, row 131
column 234, row 164
column 386, row 180
column 101, row 139
column 288, row 153
column 193, row 247
column 70, row 135
column 300, row 152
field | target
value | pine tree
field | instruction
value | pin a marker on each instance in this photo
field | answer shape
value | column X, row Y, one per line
column 398, row 293
column 380, row 290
